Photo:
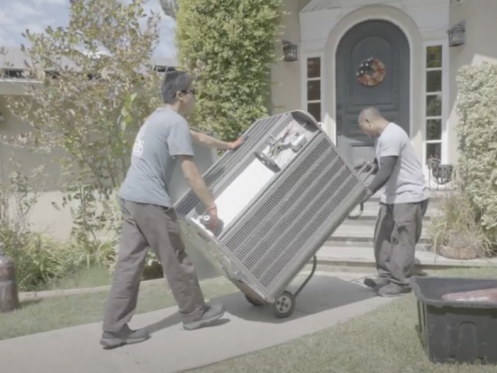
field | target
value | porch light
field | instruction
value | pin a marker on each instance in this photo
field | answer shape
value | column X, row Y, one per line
column 290, row 52
column 457, row 35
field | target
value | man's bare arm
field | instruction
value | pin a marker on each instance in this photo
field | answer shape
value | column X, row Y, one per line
column 209, row 142
column 196, row 181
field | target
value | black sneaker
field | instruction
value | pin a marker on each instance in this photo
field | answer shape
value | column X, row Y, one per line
column 211, row 314
column 376, row 283
column 111, row 340
column 393, row 290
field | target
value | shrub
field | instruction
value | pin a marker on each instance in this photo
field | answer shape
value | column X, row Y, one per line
column 477, row 132
column 40, row 259
column 233, row 44
column 455, row 230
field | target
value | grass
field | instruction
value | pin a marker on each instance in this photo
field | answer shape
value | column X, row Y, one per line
column 84, row 278
column 56, row 313
column 383, row 340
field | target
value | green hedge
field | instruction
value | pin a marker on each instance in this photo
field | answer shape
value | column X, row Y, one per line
column 235, row 42
column 477, row 132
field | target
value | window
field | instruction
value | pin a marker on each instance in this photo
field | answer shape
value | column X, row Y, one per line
column 314, row 87
column 433, row 99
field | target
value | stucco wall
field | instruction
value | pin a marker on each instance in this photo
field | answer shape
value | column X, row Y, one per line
column 480, row 46
column 43, row 217
column 285, row 76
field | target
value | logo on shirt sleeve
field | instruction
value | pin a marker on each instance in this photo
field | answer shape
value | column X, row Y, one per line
column 138, row 147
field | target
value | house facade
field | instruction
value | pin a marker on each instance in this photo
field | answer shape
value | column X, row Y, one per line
column 411, row 78
column 392, row 54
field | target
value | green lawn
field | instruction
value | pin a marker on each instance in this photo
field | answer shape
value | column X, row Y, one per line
column 382, row 341
column 57, row 313
column 84, row 278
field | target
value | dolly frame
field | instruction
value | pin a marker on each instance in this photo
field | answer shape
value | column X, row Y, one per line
column 284, row 305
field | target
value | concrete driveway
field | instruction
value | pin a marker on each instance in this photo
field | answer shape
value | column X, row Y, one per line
column 327, row 300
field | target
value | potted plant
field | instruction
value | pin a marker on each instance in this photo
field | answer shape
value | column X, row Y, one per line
column 455, row 231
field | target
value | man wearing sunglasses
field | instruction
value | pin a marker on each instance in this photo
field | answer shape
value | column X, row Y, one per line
column 150, row 220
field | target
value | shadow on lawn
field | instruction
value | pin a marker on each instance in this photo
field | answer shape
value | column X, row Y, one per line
column 321, row 294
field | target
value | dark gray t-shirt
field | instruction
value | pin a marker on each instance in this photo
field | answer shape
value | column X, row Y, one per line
column 406, row 185
column 163, row 136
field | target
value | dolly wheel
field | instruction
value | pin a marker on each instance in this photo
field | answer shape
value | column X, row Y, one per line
column 284, row 305
column 254, row 302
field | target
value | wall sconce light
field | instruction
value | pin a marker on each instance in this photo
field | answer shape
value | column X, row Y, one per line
column 457, row 35
column 290, row 52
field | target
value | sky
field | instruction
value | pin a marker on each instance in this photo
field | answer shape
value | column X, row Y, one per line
column 16, row 16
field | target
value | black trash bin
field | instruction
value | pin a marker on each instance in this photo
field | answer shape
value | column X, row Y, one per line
column 456, row 331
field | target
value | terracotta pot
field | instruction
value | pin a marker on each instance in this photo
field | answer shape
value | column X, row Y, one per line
column 451, row 253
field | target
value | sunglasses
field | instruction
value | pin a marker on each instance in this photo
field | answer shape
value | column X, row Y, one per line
column 192, row 91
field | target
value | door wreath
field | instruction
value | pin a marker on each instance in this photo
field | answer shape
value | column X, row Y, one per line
column 371, row 72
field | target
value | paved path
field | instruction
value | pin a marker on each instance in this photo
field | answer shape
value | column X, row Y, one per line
column 326, row 301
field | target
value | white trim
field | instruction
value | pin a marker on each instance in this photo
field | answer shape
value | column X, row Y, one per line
column 445, row 106
column 445, row 99
column 304, row 80
column 411, row 61
column 319, row 17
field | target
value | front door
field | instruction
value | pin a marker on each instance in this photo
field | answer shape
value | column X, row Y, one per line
column 372, row 69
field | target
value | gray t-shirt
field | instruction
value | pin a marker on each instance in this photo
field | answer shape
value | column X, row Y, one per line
column 163, row 136
column 406, row 185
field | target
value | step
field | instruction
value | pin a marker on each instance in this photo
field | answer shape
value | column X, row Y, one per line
column 363, row 233
column 431, row 194
column 366, row 221
column 364, row 257
column 371, row 209
column 423, row 245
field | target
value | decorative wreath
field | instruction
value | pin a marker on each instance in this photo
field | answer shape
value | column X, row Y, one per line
column 371, row 72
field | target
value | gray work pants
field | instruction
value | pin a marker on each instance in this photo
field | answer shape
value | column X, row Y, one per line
column 157, row 227
column 397, row 232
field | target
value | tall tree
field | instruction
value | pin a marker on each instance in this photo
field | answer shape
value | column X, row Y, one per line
column 234, row 41
column 98, row 83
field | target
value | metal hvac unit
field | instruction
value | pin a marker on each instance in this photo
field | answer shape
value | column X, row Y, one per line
column 279, row 197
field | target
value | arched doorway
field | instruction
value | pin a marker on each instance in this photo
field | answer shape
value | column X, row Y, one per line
column 387, row 43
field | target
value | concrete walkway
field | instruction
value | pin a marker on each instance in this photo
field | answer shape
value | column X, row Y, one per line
column 326, row 301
